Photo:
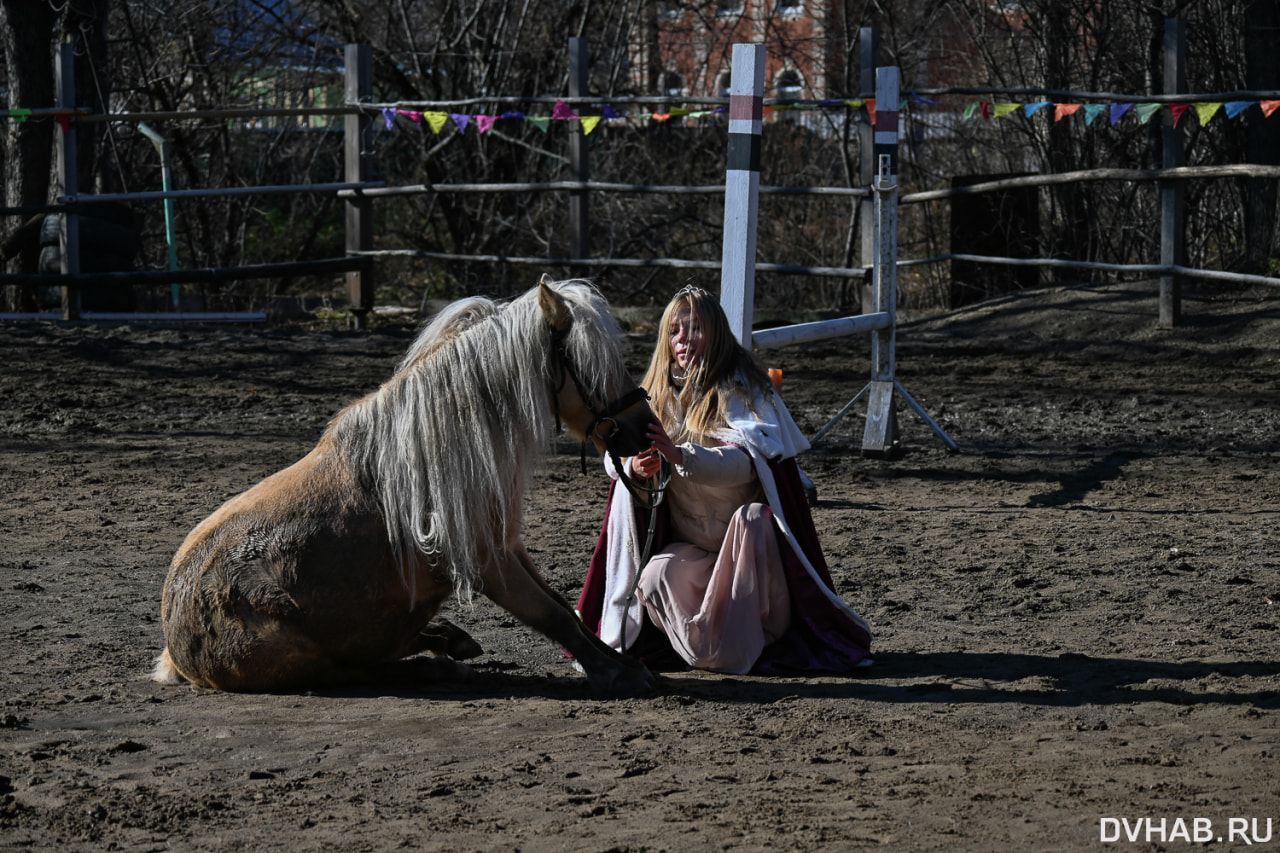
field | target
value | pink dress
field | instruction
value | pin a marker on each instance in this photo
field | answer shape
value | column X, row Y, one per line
column 718, row 589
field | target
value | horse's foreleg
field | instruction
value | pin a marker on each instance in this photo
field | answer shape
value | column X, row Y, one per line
column 522, row 591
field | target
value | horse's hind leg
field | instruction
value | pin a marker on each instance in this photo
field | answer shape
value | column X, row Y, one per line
column 521, row 591
column 442, row 637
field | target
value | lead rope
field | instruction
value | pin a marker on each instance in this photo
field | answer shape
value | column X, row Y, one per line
column 656, row 496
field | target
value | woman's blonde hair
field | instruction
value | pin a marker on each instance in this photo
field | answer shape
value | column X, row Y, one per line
column 726, row 369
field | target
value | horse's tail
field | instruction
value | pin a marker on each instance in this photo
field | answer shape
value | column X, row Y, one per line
column 165, row 672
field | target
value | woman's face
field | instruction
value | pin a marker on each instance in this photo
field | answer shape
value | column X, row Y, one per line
column 686, row 338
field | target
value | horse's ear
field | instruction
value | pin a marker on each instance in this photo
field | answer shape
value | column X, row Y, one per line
column 553, row 306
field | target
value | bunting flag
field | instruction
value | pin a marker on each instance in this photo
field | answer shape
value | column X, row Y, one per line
column 1178, row 110
column 1234, row 108
column 1118, row 110
column 1092, row 111
column 436, row 120
column 986, row 110
column 1206, row 111
column 483, row 123
column 1061, row 111
column 1144, row 112
column 540, row 122
column 389, row 116
column 461, row 120
column 1002, row 110
column 870, row 104
column 562, row 112
column 589, row 124
column 610, row 112
column 21, row 114
column 1031, row 109
column 1268, row 107
column 970, row 109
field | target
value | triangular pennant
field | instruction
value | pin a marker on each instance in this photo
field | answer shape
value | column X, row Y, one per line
column 857, row 105
column 784, row 106
column 679, row 111
column 902, row 105
column 1061, row 111
column 20, row 114
column 562, row 112
column 1118, row 110
column 1032, row 109
column 970, row 109
column 870, row 104
column 389, row 116
column 460, row 120
column 610, row 112
column 1234, row 108
column 64, row 122
column 986, row 110
column 1144, row 112
column 1178, row 110
column 1205, row 111
column 436, row 120
column 540, row 122
column 515, row 114
column 660, row 116
column 1092, row 111
column 1268, row 107
column 589, row 124
column 483, row 123
column 644, row 117
column 921, row 100
column 1002, row 110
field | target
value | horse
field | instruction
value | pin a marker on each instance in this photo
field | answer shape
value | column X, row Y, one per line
column 330, row 571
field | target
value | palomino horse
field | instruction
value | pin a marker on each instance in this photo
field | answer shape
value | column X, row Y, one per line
column 331, row 570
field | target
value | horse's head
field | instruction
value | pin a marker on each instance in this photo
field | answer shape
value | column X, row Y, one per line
column 600, row 403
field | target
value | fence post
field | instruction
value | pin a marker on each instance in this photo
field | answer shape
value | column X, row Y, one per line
column 579, row 214
column 870, row 51
column 357, row 153
column 67, row 180
column 742, row 189
column 1173, row 242
column 879, row 435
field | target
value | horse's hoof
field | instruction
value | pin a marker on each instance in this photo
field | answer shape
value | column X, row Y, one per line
column 626, row 682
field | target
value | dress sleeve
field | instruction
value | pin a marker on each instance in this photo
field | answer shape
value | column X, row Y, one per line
column 725, row 465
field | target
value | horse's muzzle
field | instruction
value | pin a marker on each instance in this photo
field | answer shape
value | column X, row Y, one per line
column 624, row 433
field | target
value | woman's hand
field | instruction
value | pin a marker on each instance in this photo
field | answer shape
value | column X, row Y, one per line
column 647, row 463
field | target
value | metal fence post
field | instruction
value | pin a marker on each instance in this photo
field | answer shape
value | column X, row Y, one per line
column 67, row 180
column 358, row 156
column 870, row 50
column 1173, row 240
column 579, row 212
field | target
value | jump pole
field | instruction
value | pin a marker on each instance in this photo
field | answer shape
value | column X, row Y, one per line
column 737, row 269
column 742, row 189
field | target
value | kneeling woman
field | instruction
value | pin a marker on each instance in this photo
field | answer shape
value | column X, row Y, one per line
column 737, row 581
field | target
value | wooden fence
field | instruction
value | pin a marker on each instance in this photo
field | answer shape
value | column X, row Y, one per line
column 359, row 194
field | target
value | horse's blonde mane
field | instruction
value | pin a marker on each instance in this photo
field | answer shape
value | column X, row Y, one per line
column 447, row 442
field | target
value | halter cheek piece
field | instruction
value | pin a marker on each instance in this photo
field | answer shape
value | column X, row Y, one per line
column 647, row 496
column 602, row 415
